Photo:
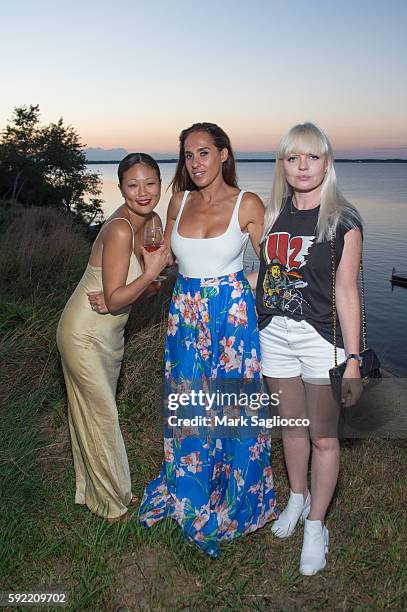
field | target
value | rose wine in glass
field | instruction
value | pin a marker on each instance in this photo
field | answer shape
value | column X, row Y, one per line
column 152, row 240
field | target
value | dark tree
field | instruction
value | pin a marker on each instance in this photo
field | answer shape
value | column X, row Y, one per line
column 46, row 166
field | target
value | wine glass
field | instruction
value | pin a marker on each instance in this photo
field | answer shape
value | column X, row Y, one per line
column 152, row 240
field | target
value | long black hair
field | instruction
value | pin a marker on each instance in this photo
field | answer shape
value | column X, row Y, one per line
column 182, row 181
column 137, row 158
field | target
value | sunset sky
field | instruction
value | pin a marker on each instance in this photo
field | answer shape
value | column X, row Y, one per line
column 132, row 74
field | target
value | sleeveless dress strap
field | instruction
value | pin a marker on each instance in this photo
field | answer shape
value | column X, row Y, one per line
column 123, row 219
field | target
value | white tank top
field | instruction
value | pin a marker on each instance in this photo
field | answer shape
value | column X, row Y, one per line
column 210, row 257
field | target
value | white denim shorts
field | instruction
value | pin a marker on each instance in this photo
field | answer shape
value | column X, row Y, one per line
column 294, row 348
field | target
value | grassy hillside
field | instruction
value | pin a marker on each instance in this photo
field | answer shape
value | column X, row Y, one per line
column 47, row 541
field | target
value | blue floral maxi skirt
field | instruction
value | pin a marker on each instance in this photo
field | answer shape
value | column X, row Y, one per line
column 216, row 488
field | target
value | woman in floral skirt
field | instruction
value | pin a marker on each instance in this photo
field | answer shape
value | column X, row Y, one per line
column 217, row 487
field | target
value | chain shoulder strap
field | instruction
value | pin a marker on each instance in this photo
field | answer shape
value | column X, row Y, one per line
column 334, row 312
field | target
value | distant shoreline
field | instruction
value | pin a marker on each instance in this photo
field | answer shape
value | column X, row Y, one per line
column 272, row 161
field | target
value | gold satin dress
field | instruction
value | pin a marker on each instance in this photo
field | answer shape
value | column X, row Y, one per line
column 91, row 348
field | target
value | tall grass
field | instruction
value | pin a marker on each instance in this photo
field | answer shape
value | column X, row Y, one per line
column 41, row 249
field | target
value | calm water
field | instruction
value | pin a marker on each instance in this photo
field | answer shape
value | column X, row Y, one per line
column 380, row 193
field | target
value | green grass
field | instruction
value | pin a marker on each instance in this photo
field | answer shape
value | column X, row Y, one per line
column 47, row 541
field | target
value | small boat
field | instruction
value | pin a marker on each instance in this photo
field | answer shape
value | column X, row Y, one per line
column 398, row 277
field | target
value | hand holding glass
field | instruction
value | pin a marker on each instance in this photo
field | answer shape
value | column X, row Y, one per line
column 152, row 240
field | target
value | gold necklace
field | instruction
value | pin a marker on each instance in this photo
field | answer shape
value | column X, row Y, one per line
column 294, row 210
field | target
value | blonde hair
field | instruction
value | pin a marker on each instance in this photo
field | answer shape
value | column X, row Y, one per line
column 308, row 138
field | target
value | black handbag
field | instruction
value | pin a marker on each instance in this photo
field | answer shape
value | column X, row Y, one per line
column 370, row 364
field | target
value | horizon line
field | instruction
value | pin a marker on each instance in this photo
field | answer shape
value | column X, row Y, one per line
column 269, row 160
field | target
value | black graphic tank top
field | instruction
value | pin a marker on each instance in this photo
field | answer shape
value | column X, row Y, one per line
column 295, row 276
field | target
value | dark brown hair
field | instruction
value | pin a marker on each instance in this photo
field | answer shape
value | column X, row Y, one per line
column 137, row 158
column 182, row 181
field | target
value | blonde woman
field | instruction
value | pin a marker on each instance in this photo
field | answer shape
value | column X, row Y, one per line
column 294, row 304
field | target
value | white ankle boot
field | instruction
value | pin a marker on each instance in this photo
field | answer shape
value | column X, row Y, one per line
column 314, row 548
column 295, row 510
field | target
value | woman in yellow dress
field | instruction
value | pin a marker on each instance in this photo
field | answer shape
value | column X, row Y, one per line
column 90, row 337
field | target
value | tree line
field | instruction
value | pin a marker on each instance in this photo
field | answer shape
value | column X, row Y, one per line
column 45, row 165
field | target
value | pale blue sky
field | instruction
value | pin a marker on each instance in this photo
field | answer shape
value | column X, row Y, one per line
column 133, row 74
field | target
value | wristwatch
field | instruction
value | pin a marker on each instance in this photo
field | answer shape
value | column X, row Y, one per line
column 354, row 356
